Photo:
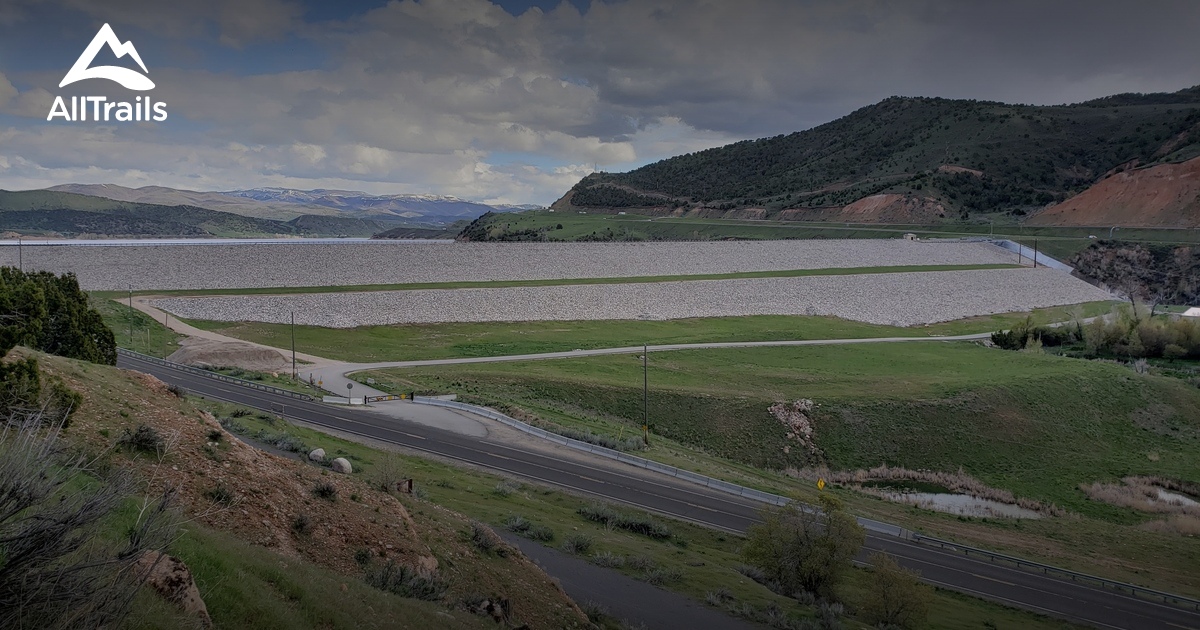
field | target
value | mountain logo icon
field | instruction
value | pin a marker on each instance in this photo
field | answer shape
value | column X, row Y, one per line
column 130, row 79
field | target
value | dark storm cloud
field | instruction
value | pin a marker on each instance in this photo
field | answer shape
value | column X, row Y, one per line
column 423, row 96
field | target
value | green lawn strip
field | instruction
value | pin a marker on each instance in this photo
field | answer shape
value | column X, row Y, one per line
column 405, row 342
column 493, row 284
column 149, row 336
column 704, row 559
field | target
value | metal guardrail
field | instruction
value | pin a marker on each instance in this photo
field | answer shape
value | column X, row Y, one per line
column 216, row 375
column 1074, row 576
column 774, row 499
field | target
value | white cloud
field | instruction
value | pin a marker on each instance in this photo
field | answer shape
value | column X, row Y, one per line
column 452, row 96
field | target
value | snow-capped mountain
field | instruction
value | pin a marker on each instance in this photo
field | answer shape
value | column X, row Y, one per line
column 364, row 205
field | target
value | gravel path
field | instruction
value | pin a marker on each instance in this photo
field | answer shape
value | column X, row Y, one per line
column 216, row 266
column 903, row 299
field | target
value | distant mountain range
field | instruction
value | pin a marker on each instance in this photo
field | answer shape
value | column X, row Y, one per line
column 94, row 210
column 288, row 203
column 925, row 160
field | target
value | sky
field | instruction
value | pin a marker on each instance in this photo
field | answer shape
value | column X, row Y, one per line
column 514, row 101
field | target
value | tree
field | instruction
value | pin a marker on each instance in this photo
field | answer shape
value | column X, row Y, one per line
column 896, row 597
column 803, row 549
column 51, row 313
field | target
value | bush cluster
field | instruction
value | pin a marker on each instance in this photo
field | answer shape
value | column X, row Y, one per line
column 405, row 582
column 636, row 524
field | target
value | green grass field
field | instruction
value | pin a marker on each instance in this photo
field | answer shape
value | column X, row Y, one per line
column 1038, row 425
column 439, row 341
column 1060, row 242
column 1008, row 418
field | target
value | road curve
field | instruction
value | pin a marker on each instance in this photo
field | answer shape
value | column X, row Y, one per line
column 622, row 483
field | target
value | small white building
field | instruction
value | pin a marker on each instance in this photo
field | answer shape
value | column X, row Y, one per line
column 1192, row 312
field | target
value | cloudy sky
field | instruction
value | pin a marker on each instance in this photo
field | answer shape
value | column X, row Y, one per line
column 514, row 100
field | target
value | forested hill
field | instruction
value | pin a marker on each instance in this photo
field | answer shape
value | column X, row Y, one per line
column 916, row 158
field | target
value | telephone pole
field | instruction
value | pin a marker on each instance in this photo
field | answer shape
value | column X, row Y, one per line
column 131, row 317
column 293, row 345
column 645, row 395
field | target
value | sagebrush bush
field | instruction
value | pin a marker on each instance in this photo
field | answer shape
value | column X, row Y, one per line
column 144, row 438
column 598, row 513
column 577, row 544
column 220, row 494
column 404, row 581
column 325, row 490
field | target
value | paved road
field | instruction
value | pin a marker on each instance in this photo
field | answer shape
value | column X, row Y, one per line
column 618, row 482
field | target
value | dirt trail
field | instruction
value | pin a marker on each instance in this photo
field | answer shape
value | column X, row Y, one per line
column 145, row 304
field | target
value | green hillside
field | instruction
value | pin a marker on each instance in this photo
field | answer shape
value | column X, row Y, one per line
column 970, row 156
column 68, row 214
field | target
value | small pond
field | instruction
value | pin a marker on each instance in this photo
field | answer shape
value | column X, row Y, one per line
column 961, row 504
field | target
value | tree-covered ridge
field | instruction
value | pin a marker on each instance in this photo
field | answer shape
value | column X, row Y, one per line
column 969, row 155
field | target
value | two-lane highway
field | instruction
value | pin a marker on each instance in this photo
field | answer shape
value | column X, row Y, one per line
column 615, row 481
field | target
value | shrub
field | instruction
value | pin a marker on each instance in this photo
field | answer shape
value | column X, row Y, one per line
column 405, row 582
column 144, row 438
column 362, row 557
column 178, row 391
column 659, row 575
column 517, row 524
column 59, row 566
column 608, row 560
column 325, row 490
column 802, row 549
column 302, row 524
column 609, row 517
column 220, row 494
column 896, row 598
column 215, row 435
column 577, row 544
column 506, row 488
column 484, row 539
column 240, row 413
column 522, row 527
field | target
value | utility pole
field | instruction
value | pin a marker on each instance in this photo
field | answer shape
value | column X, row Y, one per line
column 1035, row 253
column 20, row 254
column 645, row 395
column 293, row 345
column 131, row 317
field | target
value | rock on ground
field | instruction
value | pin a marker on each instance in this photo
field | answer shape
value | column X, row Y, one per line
column 172, row 580
column 342, row 465
column 317, row 455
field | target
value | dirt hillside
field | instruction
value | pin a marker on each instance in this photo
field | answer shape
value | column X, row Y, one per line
column 257, row 496
column 1167, row 195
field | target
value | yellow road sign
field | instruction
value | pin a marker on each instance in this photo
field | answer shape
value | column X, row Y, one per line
column 820, row 484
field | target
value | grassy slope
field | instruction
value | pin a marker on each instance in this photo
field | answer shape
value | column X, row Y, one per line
column 1029, row 154
column 247, row 585
column 1060, row 242
column 1005, row 417
column 437, row 341
column 1038, row 425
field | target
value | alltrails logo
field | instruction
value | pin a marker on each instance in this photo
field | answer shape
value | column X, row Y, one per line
column 101, row 109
